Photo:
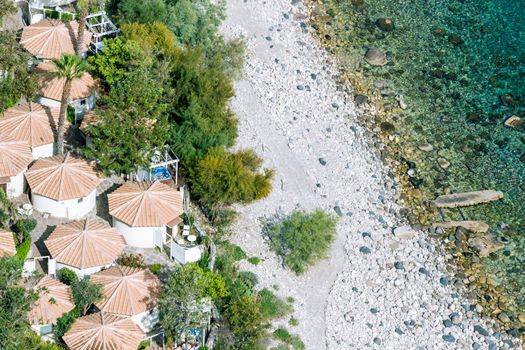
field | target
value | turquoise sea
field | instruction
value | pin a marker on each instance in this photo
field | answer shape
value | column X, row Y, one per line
column 460, row 66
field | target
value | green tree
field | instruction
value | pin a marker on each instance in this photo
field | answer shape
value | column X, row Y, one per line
column 7, row 211
column 85, row 294
column 114, row 62
column 246, row 319
column 223, row 178
column 64, row 323
column 187, row 299
column 131, row 124
column 69, row 67
column 130, row 11
column 301, row 239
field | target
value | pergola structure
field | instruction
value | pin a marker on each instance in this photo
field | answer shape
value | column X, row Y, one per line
column 101, row 27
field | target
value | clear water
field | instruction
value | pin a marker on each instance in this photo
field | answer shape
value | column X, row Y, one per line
column 453, row 95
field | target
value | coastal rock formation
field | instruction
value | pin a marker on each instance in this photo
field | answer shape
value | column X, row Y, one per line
column 474, row 226
column 375, row 57
column 466, row 199
column 484, row 244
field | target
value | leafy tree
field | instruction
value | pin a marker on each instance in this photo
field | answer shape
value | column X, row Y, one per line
column 246, row 318
column 85, row 294
column 144, row 12
column 223, row 178
column 67, row 276
column 69, row 67
column 15, row 79
column 186, row 302
column 131, row 125
column 115, row 62
column 64, row 323
column 302, row 238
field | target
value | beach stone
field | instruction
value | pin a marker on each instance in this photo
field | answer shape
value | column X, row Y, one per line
column 443, row 281
column 365, row 250
column 377, row 341
column 448, row 338
column 399, row 265
column 455, row 319
column 375, row 57
column 360, row 99
column 399, row 331
column 416, row 182
column 424, row 271
column 443, row 163
column 447, row 323
column 385, row 24
column 481, row 330
column 322, row 161
column 404, row 232
column 426, row 147
column 503, row 317
column 338, row 210
column 515, row 122
column 476, row 346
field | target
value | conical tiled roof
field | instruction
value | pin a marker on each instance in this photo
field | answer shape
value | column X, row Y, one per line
column 103, row 331
column 62, row 177
column 7, row 244
column 54, row 300
column 86, row 243
column 127, row 291
column 51, row 38
column 30, row 122
column 15, row 156
column 51, row 87
column 145, row 204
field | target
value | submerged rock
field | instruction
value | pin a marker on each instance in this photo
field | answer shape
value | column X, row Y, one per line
column 467, row 198
column 385, row 24
column 426, row 147
column 375, row 57
column 515, row 122
column 455, row 39
column 484, row 244
column 471, row 225
column 507, row 100
column 443, row 163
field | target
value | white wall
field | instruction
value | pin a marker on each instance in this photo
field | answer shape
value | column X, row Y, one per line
column 43, row 151
column 147, row 319
column 16, row 185
column 142, row 237
column 48, row 102
column 82, row 272
column 71, row 209
column 42, row 329
column 80, row 109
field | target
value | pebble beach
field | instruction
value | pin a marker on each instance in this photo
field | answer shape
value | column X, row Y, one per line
column 384, row 285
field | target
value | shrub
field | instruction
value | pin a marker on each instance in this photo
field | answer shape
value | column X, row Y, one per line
column 85, row 294
column 64, row 323
column 144, row 344
column 130, row 260
column 155, row 268
column 283, row 335
column 246, row 318
column 254, row 260
column 67, row 276
column 302, row 238
column 272, row 306
column 293, row 322
column 23, row 249
column 233, row 251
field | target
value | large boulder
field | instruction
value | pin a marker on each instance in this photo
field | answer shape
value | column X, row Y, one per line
column 466, row 199
column 484, row 244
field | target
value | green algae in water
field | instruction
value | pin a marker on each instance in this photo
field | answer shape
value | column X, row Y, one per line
column 460, row 65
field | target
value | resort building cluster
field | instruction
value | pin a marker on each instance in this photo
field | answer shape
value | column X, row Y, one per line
column 69, row 197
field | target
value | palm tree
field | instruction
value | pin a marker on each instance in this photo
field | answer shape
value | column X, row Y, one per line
column 70, row 67
column 83, row 4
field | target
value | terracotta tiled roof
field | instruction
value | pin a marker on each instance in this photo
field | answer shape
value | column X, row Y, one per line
column 103, row 331
column 30, row 122
column 86, row 243
column 62, row 177
column 52, row 87
column 54, row 300
column 51, row 38
column 7, row 244
column 145, row 204
column 15, row 156
column 127, row 291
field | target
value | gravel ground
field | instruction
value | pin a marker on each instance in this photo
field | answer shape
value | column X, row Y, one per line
column 376, row 290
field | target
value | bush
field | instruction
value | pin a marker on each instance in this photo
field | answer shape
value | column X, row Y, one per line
column 23, row 229
column 155, row 268
column 246, row 318
column 23, row 249
column 64, row 323
column 233, row 251
column 302, row 238
column 272, row 306
column 283, row 335
column 130, row 260
column 144, row 344
column 254, row 260
column 293, row 322
column 67, row 276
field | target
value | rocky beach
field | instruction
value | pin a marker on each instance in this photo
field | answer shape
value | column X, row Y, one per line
column 384, row 285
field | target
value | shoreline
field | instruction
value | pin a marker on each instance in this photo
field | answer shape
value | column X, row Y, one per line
column 293, row 113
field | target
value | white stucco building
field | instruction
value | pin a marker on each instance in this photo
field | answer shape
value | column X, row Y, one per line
column 34, row 124
column 130, row 292
column 145, row 212
column 63, row 186
column 83, row 90
column 15, row 156
column 85, row 246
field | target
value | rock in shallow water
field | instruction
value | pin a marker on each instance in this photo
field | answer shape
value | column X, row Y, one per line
column 385, row 24
column 375, row 57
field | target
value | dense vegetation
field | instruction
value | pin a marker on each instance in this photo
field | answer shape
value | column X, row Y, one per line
column 302, row 238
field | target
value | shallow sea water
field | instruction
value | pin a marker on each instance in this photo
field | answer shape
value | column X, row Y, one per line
column 460, row 65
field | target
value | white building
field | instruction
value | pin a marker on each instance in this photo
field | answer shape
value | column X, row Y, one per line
column 15, row 156
column 130, row 292
column 34, row 124
column 145, row 213
column 85, row 246
column 63, row 186
column 83, row 90
column 54, row 300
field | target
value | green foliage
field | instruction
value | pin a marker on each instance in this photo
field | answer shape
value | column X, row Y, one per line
column 130, row 260
column 23, row 249
column 186, row 301
column 283, row 335
column 302, row 238
column 155, row 268
column 293, row 322
column 64, row 323
column 254, row 260
column 114, row 63
column 130, row 126
column 232, row 250
column 144, row 344
column 272, row 306
column 143, row 12
column 7, row 211
column 23, row 228
column 85, row 294
column 70, row 67
column 67, row 276
column 246, row 318
column 223, row 178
